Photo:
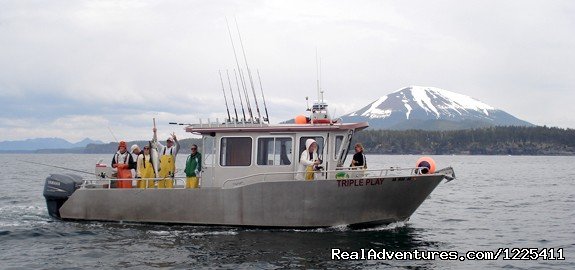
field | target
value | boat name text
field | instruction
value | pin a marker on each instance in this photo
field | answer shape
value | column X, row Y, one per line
column 368, row 181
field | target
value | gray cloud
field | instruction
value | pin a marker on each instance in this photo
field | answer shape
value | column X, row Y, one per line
column 119, row 63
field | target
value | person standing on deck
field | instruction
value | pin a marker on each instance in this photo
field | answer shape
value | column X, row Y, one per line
column 167, row 155
column 123, row 162
column 145, row 169
column 358, row 159
column 135, row 151
column 193, row 167
column 309, row 160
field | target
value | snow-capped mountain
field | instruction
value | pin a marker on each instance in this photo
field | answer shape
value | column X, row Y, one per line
column 431, row 108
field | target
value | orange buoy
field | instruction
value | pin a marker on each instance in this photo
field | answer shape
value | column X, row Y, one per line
column 300, row 119
column 427, row 164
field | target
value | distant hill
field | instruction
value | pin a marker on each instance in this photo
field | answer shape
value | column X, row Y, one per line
column 511, row 140
column 43, row 143
column 430, row 108
column 96, row 148
column 113, row 146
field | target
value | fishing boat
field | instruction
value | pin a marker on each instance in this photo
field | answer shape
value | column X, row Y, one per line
column 250, row 177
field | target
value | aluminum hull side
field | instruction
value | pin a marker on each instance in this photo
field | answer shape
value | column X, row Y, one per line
column 320, row 203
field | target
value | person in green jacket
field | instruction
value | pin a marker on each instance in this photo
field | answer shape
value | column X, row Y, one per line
column 193, row 167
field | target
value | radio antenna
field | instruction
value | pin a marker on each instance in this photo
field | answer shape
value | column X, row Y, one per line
column 248, row 69
column 240, row 95
column 239, row 71
column 263, row 98
column 232, row 92
column 225, row 99
column 317, row 70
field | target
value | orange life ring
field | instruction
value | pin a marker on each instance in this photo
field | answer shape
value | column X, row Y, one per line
column 428, row 165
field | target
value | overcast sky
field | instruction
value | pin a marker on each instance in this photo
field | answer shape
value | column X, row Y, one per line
column 76, row 69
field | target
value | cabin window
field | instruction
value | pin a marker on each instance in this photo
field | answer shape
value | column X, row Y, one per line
column 318, row 140
column 274, row 151
column 236, row 151
column 338, row 142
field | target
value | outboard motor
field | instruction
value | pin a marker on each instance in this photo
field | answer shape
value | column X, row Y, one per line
column 57, row 189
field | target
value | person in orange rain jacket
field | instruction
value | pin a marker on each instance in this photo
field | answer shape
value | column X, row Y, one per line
column 124, row 163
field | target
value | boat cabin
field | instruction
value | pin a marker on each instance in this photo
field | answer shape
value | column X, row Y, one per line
column 239, row 153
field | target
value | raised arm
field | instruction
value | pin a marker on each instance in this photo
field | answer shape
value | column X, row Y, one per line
column 176, row 142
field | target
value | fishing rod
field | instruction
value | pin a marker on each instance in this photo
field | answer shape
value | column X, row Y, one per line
column 248, row 70
column 155, row 137
column 246, row 96
column 154, row 158
column 239, row 71
column 254, row 93
column 112, row 134
column 59, row 167
column 239, row 94
column 225, row 99
column 232, row 92
column 263, row 98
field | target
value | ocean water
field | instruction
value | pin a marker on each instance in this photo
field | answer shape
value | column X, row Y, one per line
column 495, row 202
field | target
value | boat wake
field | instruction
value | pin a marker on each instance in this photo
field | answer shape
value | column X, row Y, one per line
column 388, row 227
column 22, row 215
column 347, row 228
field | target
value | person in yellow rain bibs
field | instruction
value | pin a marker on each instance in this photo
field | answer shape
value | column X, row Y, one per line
column 193, row 167
column 145, row 169
column 309, row 160
column 167, row 155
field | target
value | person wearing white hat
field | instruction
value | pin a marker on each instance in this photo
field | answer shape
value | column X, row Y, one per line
column 135, row 151
column 167, row 156
column 309, row 161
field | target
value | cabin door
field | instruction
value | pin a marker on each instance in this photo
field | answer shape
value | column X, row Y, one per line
column 208, row 161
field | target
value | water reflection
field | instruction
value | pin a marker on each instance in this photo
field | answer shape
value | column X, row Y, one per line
column 187, row 246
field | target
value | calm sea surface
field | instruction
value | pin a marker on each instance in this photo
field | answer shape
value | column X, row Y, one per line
column 495, row 202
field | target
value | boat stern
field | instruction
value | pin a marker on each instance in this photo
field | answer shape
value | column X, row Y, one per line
column 57, row 189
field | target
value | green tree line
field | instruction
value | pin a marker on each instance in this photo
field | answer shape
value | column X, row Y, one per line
column 498, row 140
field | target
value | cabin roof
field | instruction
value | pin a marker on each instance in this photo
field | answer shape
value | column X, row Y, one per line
column 244, row 127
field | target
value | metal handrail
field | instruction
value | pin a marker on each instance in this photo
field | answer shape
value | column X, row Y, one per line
column 263, row 177
column 218, row 124
column 179, row 179
column 413, row 171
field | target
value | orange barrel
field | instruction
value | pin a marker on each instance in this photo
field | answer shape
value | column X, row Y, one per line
column 300, row 119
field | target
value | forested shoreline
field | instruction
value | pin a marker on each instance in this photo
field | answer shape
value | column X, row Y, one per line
column 499, row 140
column 513, row 140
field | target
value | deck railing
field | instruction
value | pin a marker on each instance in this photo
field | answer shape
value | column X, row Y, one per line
column 106, row 183
column 226, row 123
column 339, row 173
